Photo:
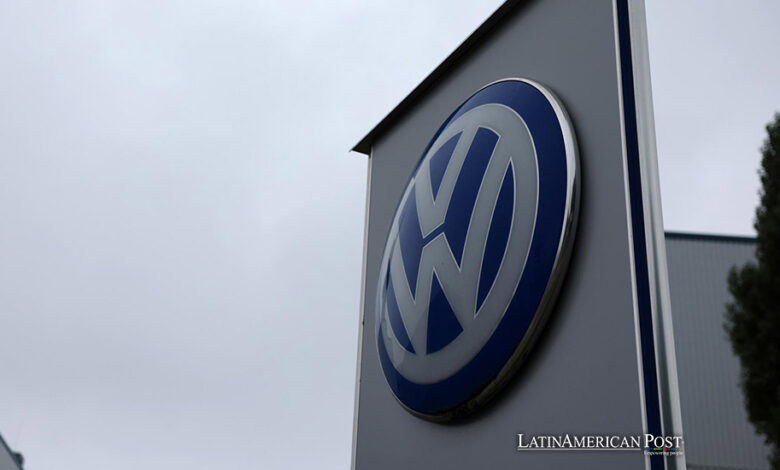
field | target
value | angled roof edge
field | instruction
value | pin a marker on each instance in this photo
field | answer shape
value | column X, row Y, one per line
column 364, row 146
column 711, row 237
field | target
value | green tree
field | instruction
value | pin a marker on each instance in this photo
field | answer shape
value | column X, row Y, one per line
column 753, row 318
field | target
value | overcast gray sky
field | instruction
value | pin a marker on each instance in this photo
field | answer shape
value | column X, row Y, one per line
column 181, row 221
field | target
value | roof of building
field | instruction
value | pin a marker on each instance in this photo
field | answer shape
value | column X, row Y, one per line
column 710, row 237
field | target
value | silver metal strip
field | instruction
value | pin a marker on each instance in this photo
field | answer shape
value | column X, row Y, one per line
column 629, row 227
column 362, row 317
column 663, row 335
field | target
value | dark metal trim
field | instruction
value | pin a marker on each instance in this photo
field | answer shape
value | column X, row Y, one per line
column 712, row 237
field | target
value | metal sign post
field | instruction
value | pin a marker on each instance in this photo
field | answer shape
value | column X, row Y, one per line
column 514, row 281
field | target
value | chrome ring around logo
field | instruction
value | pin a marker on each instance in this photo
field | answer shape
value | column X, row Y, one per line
column 478, row 248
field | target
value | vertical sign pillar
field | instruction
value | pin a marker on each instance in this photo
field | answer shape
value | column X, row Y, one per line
column 514, row 269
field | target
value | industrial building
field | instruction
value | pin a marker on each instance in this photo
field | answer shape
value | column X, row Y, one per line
column 717, row 433
column 9, row 460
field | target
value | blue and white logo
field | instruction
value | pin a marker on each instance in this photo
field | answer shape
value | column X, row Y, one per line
column 477, row 249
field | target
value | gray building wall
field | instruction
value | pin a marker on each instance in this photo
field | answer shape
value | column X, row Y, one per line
column 715, row 425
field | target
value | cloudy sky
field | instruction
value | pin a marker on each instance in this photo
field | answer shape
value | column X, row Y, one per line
column 181, row 220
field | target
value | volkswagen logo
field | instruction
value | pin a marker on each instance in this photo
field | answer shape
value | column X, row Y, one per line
column 478, row 248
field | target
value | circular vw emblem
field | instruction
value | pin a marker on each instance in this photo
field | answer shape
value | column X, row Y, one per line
column 477, row 249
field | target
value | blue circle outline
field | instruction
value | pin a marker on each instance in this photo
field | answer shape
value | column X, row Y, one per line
column 547, row 134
